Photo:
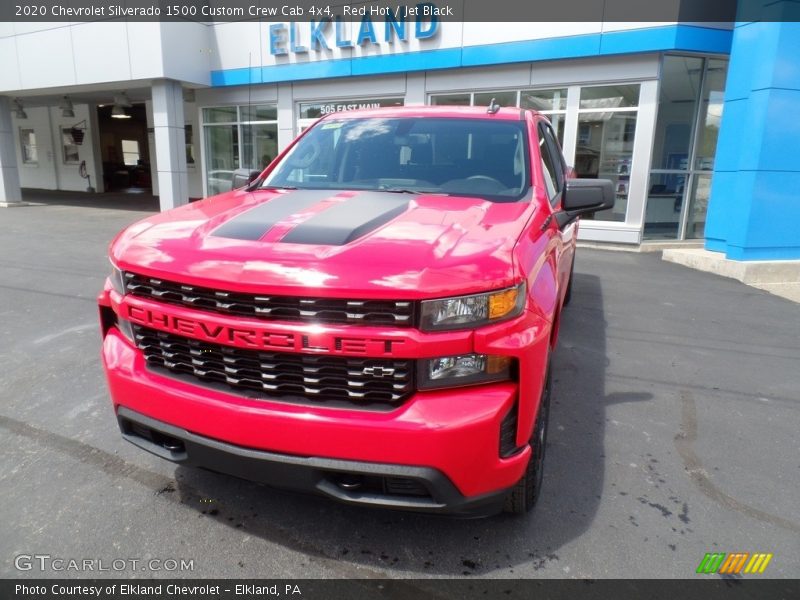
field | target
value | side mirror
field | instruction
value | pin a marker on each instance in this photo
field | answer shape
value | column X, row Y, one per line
column 243, row 177
column 584, row 196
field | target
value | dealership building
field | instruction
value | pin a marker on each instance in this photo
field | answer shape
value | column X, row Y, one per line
column 693, row 122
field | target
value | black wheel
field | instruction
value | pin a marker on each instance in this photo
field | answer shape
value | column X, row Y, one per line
column 526, row 492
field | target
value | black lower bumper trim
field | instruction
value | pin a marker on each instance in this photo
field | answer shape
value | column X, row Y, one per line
column 400, row 487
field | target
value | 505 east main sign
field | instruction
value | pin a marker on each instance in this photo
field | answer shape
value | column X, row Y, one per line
column 388, row 27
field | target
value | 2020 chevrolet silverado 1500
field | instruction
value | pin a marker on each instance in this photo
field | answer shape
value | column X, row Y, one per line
column 371, row 318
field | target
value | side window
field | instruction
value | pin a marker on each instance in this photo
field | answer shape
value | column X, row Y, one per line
column 558, row 158
column 549, row 171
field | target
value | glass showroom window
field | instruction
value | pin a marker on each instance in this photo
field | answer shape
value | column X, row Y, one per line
column 549, row 102
column 237, row 137
column 503, row 98
column 607, row 118
column 464, row 99
column 689, row 113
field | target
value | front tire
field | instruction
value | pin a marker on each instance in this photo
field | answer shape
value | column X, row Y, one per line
column 525, row 494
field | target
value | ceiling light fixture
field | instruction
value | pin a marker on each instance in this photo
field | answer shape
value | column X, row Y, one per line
column 66, row 108
column 121, row 102
column 119, row 113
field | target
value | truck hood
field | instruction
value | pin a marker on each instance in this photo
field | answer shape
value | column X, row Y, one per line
column 336, row 243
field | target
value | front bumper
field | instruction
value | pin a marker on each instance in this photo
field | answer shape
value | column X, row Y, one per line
column 449, row 440
column 456, row 432
column 398, row 487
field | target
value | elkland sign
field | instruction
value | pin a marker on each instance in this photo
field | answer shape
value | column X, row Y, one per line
column 376, row 25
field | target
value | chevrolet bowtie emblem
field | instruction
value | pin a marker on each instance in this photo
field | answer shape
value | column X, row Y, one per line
column 377, row 371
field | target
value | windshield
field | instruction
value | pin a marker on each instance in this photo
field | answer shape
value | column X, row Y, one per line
column 465, row 157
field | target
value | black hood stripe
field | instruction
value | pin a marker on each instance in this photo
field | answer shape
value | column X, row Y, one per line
column 254, row 223
column 349, row 220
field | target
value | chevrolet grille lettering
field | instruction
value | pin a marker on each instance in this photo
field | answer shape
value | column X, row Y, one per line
column 258, row 338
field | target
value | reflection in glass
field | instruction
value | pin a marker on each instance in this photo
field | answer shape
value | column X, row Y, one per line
column 259, row 142
column 609, row 96
column 222, row 157
column 450, row 100
column 557, row 121
column 502, row 98
column 711, row 116
column 689, row 114
column 698, row 207
column 664, row 203
column 680, row 87
column 221, row 114
column 605, row 151
column 259, row 145
column 259, row 112
column 544, row 100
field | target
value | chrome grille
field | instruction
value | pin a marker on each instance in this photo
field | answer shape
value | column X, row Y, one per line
column 318, row 378
column 286, row 308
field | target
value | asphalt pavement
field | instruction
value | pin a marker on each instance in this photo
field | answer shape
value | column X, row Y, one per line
column 674, row 432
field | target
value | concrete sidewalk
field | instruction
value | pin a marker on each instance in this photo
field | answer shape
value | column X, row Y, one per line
column 674, row 433
column 779, row 277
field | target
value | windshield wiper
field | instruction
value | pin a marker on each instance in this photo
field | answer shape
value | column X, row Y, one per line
column 409, row 191
column 277, row 187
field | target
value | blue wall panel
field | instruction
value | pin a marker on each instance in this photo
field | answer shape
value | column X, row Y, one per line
column 574, row 46
column 397, row 63
column 755, row 197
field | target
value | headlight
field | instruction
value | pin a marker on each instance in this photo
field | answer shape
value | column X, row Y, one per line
column 117, row 280
column 466, row 369
column 463, row 312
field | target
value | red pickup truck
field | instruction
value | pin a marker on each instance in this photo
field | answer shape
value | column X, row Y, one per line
column 371, row 318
